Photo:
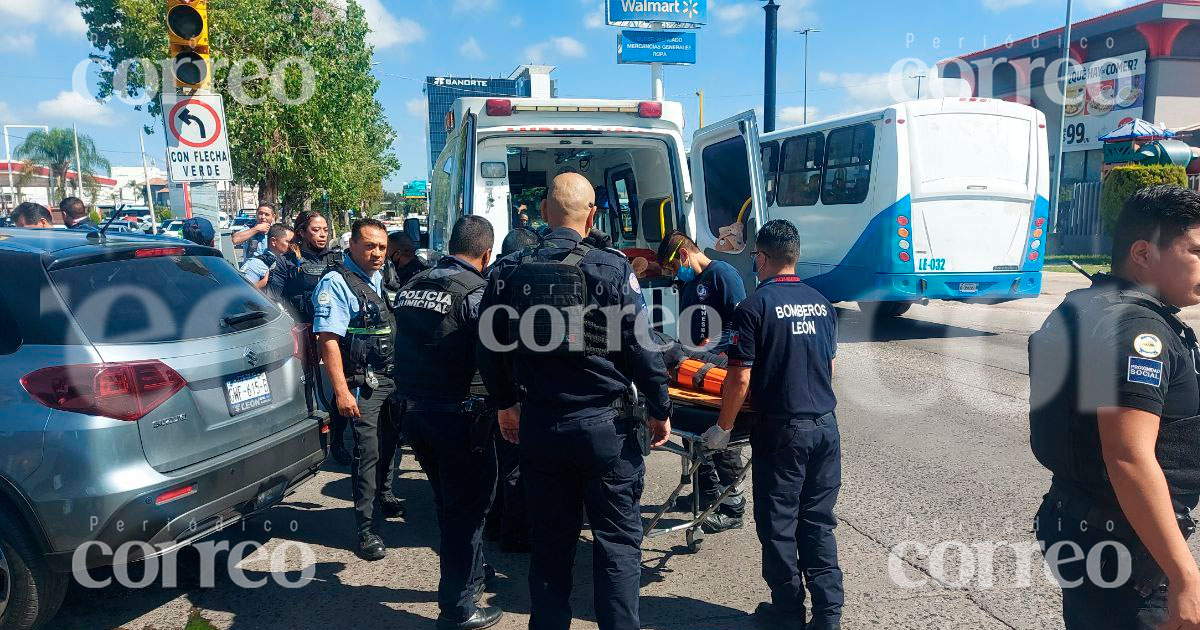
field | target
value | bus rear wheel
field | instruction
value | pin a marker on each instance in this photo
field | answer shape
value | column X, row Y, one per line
column 884, row 310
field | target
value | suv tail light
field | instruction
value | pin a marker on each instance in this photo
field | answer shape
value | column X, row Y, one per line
column 124, row 391
column 498, row 107
column 650, row 109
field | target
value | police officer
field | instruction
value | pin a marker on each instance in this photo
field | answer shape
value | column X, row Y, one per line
column 199, row 231
column 574, row 453
column 269, row 272
column 311, row 258
column 437, row 322
column 403, row 262
column 354, row 327
column 712, row 289
column 781, row 353
column 1114, row 407
column 254, row 239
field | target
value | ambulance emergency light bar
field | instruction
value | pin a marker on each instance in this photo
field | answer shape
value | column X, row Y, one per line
column 505, row 107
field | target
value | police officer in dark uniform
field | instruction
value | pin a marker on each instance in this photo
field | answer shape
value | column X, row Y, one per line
column 1115, row 415
column 403, row 262
column 711, row 291
column 354, row 329
column 782, row 349
column 451, row 432
column 575, row 454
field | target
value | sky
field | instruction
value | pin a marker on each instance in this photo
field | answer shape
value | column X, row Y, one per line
column 43, row 42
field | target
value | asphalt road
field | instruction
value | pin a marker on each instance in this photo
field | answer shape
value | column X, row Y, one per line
column 939, row 493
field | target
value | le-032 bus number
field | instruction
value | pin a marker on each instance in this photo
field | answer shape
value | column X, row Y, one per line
column 931, row 264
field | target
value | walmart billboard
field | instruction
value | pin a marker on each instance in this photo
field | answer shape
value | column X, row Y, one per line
column 664, row 13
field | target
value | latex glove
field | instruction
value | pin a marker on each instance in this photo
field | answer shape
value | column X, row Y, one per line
column 716, row 438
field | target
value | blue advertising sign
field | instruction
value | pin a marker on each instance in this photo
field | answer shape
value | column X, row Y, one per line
column 656, row 47
column 663, row 13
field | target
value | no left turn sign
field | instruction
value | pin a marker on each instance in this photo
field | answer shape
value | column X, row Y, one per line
column 197, row 142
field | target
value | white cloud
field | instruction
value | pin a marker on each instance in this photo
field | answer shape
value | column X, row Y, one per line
column 471, row 6
column 794, row 115
column 18, row 42
column 553, row 48
column 6, row 113
column 733, row 16
column 595, row 17
column 471, row 49
column 387, row 30
column 60, row 16
column 73, row 106
column 516, row 21
column 416, row 107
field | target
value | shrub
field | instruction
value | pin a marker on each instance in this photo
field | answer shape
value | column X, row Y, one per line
column 1124, row 181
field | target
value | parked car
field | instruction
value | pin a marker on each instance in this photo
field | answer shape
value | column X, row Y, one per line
column 150, row 395
column 242, row 223
column 174, row 229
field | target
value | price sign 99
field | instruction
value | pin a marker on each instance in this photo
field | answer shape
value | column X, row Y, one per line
column 1075, row 134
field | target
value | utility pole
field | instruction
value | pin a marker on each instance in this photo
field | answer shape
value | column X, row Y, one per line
column 78, row 164
column 805, row 32
column 772, row 55
column 146, row 174
column 656, row 76
column 700, row 95
column 1062, row 121
column 918, row 77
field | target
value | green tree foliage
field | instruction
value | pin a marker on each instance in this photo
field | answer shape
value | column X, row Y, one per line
column 1123, row 181
column 55, row 149
column 334, row 144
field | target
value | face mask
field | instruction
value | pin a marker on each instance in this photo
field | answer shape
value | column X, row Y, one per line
column 686, row 274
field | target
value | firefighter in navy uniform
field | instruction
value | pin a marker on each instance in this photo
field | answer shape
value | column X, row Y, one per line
column 1115, row 416
column 354, row 329
column 451, row 432
column 577, row 450
column 781, row 353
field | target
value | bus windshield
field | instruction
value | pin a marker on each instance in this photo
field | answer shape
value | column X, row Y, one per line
column 948, row 146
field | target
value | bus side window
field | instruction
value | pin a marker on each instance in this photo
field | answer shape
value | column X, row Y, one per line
column 848, row 167
column 770, row 162
column 800, row 170
column 623, row 198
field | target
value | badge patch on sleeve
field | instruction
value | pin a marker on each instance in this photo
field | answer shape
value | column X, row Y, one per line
column 1145, row 371
column 1147, row 345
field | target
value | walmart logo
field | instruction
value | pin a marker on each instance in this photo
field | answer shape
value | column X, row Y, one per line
column 691, row 9
column 686, row 8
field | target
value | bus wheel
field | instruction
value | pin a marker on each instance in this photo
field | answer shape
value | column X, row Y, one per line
column 884, row 310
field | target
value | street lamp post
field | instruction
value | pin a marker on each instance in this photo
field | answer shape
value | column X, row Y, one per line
column 806, row 32
column 919, row 78
column 1062, row 121
column 772, row 55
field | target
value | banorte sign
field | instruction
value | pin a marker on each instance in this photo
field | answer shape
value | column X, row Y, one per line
column 662, row 13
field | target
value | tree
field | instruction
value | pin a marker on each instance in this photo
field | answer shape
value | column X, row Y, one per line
column 23, row 177
column 56, row 150
column 1123, row 181
column 335, row 144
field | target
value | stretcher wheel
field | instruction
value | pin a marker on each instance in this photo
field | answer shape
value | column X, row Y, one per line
column 695, row 540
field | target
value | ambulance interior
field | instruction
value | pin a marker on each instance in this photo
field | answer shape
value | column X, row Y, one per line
column 635, row 180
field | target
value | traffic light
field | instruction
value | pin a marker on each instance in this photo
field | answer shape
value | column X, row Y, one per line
column 187, row 29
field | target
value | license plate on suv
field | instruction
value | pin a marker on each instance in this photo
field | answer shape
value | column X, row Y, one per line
column 248, row 391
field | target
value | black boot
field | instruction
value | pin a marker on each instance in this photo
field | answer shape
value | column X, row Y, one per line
column 393, row 507
column 482, row 618
column 371, row 547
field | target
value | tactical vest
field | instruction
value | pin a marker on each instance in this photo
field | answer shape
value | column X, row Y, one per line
column 551, row 301
column 368, row 346
column 1058, row 438
column 437, row 346
column 301, row 284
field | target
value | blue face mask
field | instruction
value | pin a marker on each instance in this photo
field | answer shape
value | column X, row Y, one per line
column 686, row 274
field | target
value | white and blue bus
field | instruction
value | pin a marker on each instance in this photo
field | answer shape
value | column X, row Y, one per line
column 933, row 199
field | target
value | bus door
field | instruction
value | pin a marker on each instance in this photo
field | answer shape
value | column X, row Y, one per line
column 729, row 193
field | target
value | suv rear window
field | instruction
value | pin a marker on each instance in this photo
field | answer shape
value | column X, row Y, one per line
column 167, row 298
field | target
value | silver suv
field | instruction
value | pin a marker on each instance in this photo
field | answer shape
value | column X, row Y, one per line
column 147, row 394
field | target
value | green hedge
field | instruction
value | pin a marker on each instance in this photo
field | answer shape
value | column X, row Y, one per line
column 1124, row 181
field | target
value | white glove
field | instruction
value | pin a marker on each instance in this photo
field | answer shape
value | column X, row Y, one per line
column 716, row 438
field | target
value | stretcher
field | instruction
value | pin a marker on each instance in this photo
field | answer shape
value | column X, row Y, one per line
column 696, row 412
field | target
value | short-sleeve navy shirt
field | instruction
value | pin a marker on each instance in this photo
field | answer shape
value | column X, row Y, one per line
column 787, row 334
column 717, row 290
